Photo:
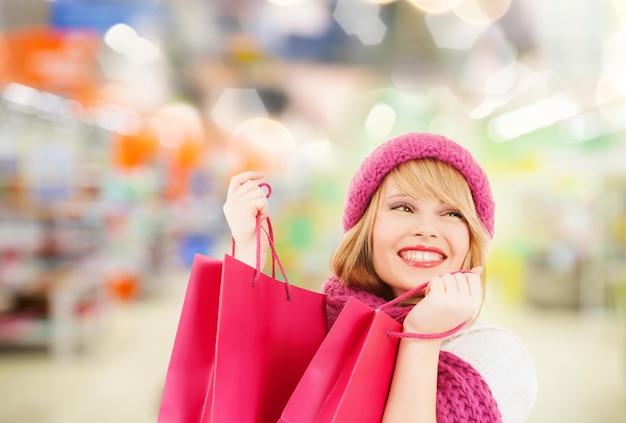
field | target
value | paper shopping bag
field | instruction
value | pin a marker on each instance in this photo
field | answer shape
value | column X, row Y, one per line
column 193, row 354
column 243, row 342
column 349, row 377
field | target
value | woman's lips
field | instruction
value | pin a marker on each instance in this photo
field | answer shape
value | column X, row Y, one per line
column 422, row 256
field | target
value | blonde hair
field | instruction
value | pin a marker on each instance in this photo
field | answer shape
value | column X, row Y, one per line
column 352, row 260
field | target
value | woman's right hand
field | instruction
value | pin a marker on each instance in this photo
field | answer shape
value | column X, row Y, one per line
column 245, row 199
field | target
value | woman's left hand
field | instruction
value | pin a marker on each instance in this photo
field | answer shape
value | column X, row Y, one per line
column 450, row 300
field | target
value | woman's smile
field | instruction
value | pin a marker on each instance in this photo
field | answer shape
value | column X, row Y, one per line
column 422, row 256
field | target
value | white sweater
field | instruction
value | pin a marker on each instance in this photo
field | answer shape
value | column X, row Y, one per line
column 503, row 362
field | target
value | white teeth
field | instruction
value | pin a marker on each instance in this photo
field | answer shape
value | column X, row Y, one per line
column 424, row 256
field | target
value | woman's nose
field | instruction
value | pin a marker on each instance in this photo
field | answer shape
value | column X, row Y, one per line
column 424, row 226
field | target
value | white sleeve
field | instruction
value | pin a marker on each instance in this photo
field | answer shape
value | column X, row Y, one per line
column 503, row 362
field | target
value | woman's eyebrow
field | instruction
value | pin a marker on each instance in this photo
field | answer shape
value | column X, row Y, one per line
column 396, row 195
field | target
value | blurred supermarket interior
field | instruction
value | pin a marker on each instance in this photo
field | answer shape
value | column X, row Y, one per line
column 121, row 122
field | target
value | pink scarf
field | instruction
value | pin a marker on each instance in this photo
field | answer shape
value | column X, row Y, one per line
column 463, row 396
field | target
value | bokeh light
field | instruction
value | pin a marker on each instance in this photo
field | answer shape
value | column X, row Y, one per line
column 125, row 40
column 268, row 135
column 380, row 121
column 315, row 158
column 540, row 114
column 237, row 105
column 360, row 18
column 481, row 12
column 267, row 143
column 434, row 6
column 448, row 31
column 302, row 18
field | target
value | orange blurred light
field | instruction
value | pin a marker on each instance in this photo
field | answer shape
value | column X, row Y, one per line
column 134, row 150
column 62, row 62
column 4, row 55
column 123, row 286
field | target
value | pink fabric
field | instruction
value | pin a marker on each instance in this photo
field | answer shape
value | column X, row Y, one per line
column 414, row 146
column 463, row 396
column 337, row 295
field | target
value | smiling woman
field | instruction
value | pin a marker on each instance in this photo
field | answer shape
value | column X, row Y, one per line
column 419, row 212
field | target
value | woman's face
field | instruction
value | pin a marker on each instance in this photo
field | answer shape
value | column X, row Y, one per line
column 416, row 239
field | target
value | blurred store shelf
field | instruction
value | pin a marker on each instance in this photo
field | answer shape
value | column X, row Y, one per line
column 117, row 378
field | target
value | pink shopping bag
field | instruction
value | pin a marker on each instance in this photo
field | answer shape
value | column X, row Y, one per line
column 244, row 340
column 348, row 379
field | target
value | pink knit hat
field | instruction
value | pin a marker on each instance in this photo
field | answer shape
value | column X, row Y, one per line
column 415, row 146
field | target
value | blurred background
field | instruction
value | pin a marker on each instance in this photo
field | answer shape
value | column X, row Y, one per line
column 121, row 122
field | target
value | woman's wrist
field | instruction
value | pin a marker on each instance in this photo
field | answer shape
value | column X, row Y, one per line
column 425, row 343
column 247, row 253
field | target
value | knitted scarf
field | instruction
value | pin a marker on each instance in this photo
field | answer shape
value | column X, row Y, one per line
column 463, row 396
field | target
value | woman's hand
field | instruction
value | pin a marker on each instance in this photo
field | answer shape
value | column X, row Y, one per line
column 450, row 300
column 244, row 201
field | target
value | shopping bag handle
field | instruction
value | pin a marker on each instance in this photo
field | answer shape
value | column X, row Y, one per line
column 269, row 233
column 413, row 335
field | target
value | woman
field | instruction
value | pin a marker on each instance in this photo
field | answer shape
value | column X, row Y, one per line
column 419, row 209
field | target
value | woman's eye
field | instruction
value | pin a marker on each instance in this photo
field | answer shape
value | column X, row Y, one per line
column 456, row 214
column 403, row 208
